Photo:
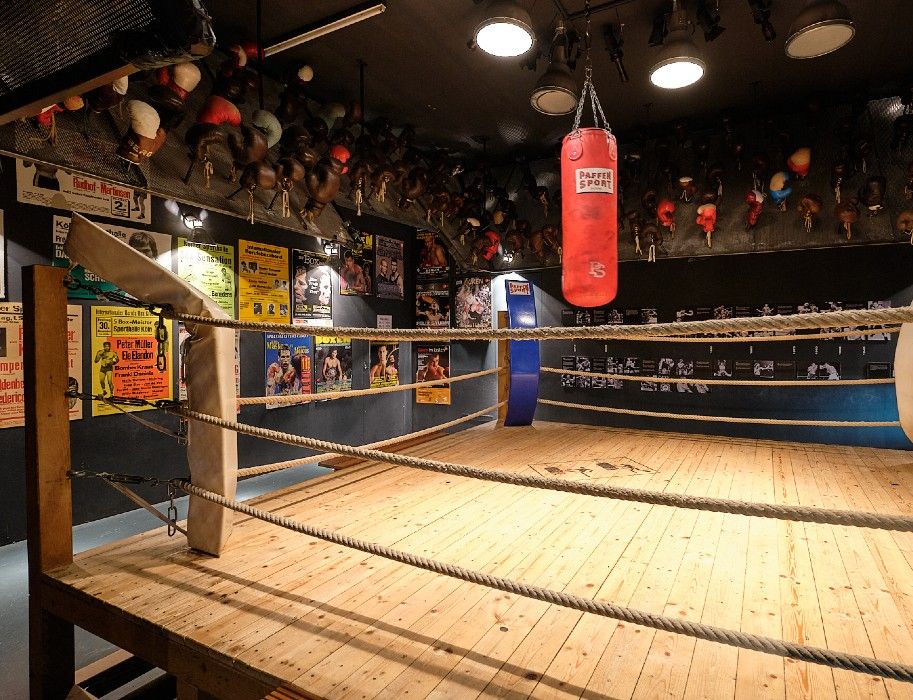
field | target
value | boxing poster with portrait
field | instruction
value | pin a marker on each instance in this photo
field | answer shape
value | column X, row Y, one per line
column 49, row 186
column 312, row 285
column 156, row 246
column 12, row 381
column 210, row 267
column 432, row 305
column 356, row 267
column 432, row 362
column 472, row 303
column 384, row 364
column 125, row 358
column 288, row 366
column 332, row 364
column 263, row 282
column 431, row 254
column 389, row 278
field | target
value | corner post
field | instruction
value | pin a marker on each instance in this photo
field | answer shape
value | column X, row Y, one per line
column 504, row 364
column 47, row 456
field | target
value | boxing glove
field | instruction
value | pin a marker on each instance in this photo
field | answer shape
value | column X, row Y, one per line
column 323, row 182
column 414, row 185
column 199, row 139
column 142, row 139
column 381, row 178
column 257, row 175
column 289, row 172
column 218, row 110
column 107, row 96
column 169, row 95
column 269, row 125
column 247, row 148
column 293, row 137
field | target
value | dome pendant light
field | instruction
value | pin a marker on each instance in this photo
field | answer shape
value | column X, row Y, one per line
column 556, row 91
column 821, row 28
column 507, row 30
column 680, row 63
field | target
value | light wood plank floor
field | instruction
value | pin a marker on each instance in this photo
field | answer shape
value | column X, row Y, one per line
column 342, row 624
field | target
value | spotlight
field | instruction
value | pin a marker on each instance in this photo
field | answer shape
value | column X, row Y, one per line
column 507, row 257
column 760, row 12
column 821, row 28
column 680, row 63
column 331, row 248
column 614, row 43
column 556, row 91
column 192, row 222
column 708, row 17
column 506, row 29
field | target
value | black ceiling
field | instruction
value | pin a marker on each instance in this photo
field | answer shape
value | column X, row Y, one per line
column 420, row 70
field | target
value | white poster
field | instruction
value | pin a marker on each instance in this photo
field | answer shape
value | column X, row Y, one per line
column 50, row 186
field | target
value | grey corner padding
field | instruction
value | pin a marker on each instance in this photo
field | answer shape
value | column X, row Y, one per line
column 212, row 453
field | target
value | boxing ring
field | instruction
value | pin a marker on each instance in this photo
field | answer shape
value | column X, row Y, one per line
column 541, row 559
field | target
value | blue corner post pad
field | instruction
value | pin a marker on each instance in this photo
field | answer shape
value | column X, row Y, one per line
column 524, row 355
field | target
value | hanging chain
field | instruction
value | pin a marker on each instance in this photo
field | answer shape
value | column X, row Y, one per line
column 588, row 87
column 172, row 513
column 161, row 343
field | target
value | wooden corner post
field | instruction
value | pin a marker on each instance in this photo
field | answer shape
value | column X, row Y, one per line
column 504, row 364
column 47, row 457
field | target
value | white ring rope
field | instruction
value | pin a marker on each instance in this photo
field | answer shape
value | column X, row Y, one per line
column 726, row 419
column 352, row 393
column 720, row 382
column 390, row 442
column 827, row 319
column 698, row 630
column 901, row 523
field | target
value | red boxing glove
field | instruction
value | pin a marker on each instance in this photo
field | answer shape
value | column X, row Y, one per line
column 218, row 110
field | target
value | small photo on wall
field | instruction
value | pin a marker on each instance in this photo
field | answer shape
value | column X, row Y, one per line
column 583, row 364
column 879, row 336
column 568, row 381
column 648, row 369
column 878, row 370
column 649, row 316
column 384, row 364
column 823, row 370
column 763, row 369
column 665, row 367
column 722, row 369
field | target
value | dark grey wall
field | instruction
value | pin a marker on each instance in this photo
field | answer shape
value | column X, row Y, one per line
column 116, row 443
column 836, row 274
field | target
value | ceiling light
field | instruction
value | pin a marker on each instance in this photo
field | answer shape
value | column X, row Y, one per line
column 821, row 28
column 680, row 63
column 556, row 91
column 506, row 30
column 331, row 248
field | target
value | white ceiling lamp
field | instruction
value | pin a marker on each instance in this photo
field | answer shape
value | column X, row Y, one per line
column 507, row 29
column 821, row 28
column 680, row 63
column 556, row 91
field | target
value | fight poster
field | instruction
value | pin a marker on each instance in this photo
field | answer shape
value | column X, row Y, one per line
column 313, row 288
column 332, row 363
column 432, row 305
column 12, row 383
column 156, row 246
column 288, row 366
column 50, row 186
column 124, row 352
column 384, row 364
column 389, row 278
column 356, row 265
column 433, row 362
column 2, row 259
column 210, row 267
column 263, row 284
column 184, row 347
column 431, row 255
column 472, row 303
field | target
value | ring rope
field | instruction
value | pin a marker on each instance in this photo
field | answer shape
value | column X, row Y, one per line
column 900, row 523
column 726, row 419
column 826, row 319
column 743, row 640
column 307, row 398
column 781, row 338
column 278, row 466
column 720, row 382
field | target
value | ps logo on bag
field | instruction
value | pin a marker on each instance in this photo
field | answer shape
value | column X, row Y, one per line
column 599, row 180
column 597, row 269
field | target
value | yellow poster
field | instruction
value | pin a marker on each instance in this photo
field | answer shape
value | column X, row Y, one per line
column 124, row 356
column 210, row 267
column 12, row 385
column 263, row 282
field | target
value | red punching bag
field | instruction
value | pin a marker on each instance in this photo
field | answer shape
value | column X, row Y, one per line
column 589, row 217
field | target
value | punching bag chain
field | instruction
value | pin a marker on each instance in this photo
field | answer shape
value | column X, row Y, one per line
column 588, row 87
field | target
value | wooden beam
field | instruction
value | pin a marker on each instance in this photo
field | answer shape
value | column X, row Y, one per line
column 503, row 362
column 47, row 458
